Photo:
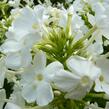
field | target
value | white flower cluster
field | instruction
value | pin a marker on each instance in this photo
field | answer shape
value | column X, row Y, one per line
column 36, row 76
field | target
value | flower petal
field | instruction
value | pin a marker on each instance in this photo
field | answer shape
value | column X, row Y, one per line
column 105, row 88
column 51, row 69
column 30, row 39
column 12, row 106
column 19, row 59
column 39, row 60
column 98, row 86
column 83, row 67
column 79, row 92
column 44, row 94
column 65, row 80
column 13, row 60
column 28, row 75
column 29, row 92
column 10, row 46
column 103, row 63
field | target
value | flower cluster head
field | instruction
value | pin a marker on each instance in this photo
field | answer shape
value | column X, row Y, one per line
column 54, row 56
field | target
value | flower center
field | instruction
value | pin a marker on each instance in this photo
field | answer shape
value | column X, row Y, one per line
column 35, row 26
column 101, row 78
column 39, row 77
column 85, row 80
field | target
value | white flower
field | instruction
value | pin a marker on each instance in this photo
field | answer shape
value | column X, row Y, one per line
column 36, row 80
column 2, row 71
column 102, row 83
column 2, row 98
column 29, row 21
column 80, row 80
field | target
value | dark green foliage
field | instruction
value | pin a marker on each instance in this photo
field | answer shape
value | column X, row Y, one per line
column 8, row 88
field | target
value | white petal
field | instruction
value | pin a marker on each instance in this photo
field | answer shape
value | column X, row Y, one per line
column 77, row 65
column 83, row 67
column 98, row 86
column 44, row 94
column 12, row 106
column 77, row 22
column 17, row 98
column 51, row 69
column 99, row 9
column 13, row 60
column 103, row 63
column 28, row 75
column 25, row 21
column 79, row 92
column 106, row 32
column 10, row 34
column 26, row 58
column 96, row 48
column 105, row 88
column 30, row 39
column 65, row 80
column 29, row 92
column 18, row 59
column 93, row 72
column 39, row 60
column 63, row 20
column 10, row 46
column 39, row 11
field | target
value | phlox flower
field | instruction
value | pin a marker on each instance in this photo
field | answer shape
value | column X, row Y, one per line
column 36, row 80
column 79, row 79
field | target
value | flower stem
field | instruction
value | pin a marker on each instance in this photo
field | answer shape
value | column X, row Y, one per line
column 97, row 95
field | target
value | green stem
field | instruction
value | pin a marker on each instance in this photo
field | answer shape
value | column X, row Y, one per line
column 96, row 95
